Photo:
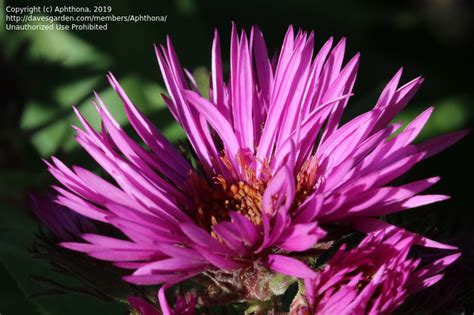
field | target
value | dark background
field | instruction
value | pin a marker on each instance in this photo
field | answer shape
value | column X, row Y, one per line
column 45, row 73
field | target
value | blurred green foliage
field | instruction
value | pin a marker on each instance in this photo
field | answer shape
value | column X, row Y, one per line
column 45, row 73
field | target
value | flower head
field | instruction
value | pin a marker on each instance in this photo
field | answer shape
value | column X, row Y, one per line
column 274, row 162
column 375, row 277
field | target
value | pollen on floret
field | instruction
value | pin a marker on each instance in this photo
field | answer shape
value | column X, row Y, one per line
column 213, row 200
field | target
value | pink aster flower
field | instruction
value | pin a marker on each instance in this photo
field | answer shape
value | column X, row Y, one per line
column 273, row 162
column 375, row 277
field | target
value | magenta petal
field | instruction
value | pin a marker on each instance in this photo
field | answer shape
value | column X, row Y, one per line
column 170, row 264
column 218, row 122
column 290, row 266
column 389, row 91
column 302, row 237
column 437, row 266
column 220, row 261
column 436, row 145
column 165, row 308
column 279, row 192
column 230, row 236
column 218, row 86
column 242, row 95
column 247, row 229
column 263, row 67
column 371, row 225
column 202, row 238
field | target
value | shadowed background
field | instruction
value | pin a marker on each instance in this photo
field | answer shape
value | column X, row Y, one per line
column 44, row 73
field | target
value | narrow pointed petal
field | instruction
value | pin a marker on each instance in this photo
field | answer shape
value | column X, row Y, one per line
column 290, row 266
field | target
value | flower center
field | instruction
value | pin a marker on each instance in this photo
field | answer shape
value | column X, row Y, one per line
column 214, row 201
column 306, row 181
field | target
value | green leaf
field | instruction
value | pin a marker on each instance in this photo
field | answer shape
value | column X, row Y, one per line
column 17, row 233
